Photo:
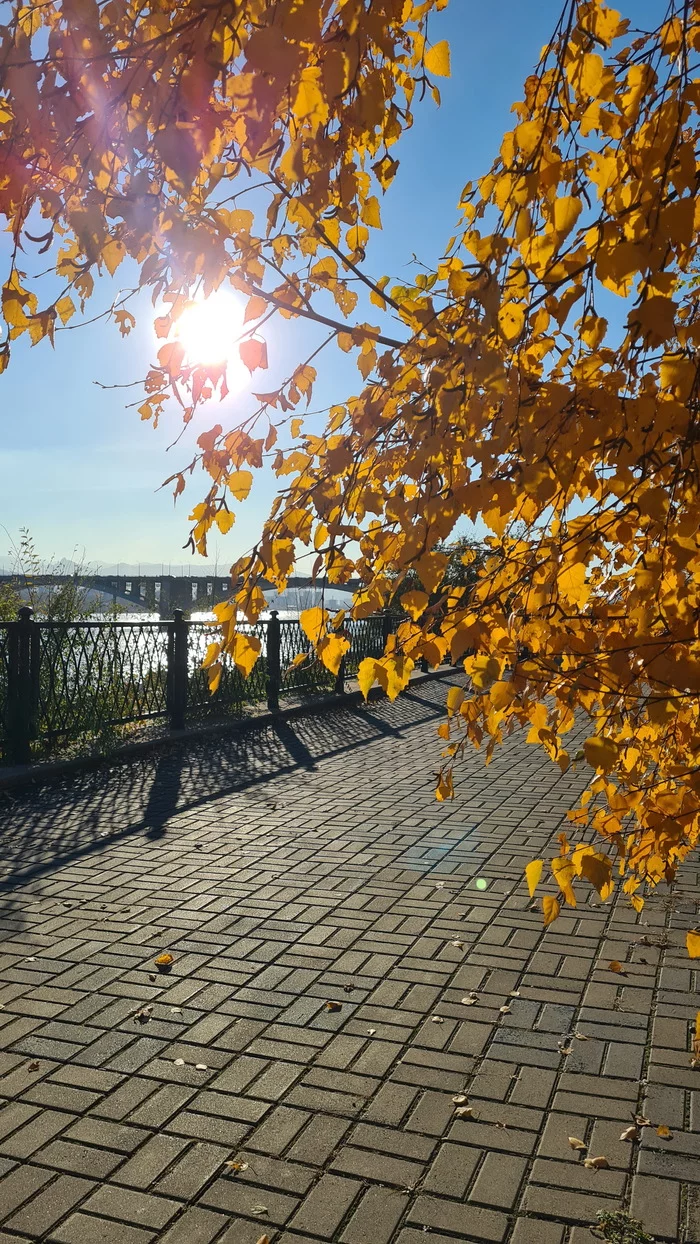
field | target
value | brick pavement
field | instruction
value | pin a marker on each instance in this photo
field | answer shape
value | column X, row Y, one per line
column 307, row 865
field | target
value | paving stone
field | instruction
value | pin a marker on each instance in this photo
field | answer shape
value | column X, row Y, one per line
column 84, row 1229
column 40, row 1214
column 466, row 1221
column 130, row 1206
column 325, row 1207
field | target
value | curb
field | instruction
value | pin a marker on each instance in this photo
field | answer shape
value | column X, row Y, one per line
column 21, row 776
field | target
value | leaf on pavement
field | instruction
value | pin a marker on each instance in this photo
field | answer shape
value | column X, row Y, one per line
column 692, row 942
column 616, row 966
column 630, row 1133
column 596, row 1164
column 664, row 1132
column 577, row 1144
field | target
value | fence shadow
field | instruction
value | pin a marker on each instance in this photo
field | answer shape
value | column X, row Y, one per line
column 42, row 831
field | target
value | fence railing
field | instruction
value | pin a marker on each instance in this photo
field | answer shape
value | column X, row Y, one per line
column 61, row 682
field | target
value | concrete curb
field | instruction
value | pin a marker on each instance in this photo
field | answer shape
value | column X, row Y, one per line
column 19, row 776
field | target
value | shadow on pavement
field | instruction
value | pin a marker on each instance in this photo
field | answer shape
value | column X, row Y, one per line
column 43, row 830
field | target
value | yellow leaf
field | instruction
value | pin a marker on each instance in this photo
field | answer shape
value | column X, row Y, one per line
column 566, row 212
column 366, row 675
column 664, row 1132
column 600, row 753
column 550, row 908
column 246, row 650
column 112, row 254
column 314, row 623
column 211, row 655
column 225, row 520
column 511, row 320
column 437, row 59
column 616, row 966
column 414, row 603
column 533, row 873
column 239, row 484
column 445, row 788
column 370, row 213
column 501, row 695
column 597, row 868
column 596, row 1164
column 577, row 1144
column 692, row 942
column 455, row 699
column 563, row 871
column 310, row 103
column 483, row 671
column 65, row 308
column 331, row 650
column 572, row 585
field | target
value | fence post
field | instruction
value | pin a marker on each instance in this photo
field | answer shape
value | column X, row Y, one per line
column 20, row 688
column 274, row 672
column 177, row 670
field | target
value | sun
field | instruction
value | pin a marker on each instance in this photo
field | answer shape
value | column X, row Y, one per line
column 208, row 330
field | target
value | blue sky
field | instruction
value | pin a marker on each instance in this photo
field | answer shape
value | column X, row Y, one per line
column 82, row 472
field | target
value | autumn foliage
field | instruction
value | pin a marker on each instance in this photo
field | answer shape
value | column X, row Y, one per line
column 543, row 380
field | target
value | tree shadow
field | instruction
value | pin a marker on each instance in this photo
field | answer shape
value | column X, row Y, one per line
column 41, row 831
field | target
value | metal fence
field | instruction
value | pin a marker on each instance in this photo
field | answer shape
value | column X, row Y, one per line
column 65, row 682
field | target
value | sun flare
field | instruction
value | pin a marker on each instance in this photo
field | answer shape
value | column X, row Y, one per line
column 208, row 331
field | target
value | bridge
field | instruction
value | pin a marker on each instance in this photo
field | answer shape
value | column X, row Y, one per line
column 161, row 593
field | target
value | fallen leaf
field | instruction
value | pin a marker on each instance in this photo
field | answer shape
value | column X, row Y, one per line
column 201, row 1067
column 258, row 1209
column 664, row 1132
column 596, row 1164
column 176, row 1010
column 504, row 1010
column 615, row 966
column 371, row 1032
column 33, row 1066
column 459, row 945
column 469, row 1001
column 151, row 976
column 465, row 1112
column 179, row 1062
column 460, row 1099
column 696, row 1037
column 164, row 962
column 437, row 1019
column 692, row 943
column 439, row 885
column 504, row 1126
column 577, row 1144
column 143, row 1016
column 514, row 993
column 264, row 1239
column 236, row 1166
column 333, row 1006
column 580, row 1036
column 642, row 1121
column 630, row 1133
column 566, row 1049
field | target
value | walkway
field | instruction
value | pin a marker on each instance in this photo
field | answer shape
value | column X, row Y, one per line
column 327, row 926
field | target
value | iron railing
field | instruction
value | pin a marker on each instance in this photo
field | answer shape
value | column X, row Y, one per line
column 63, row 682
